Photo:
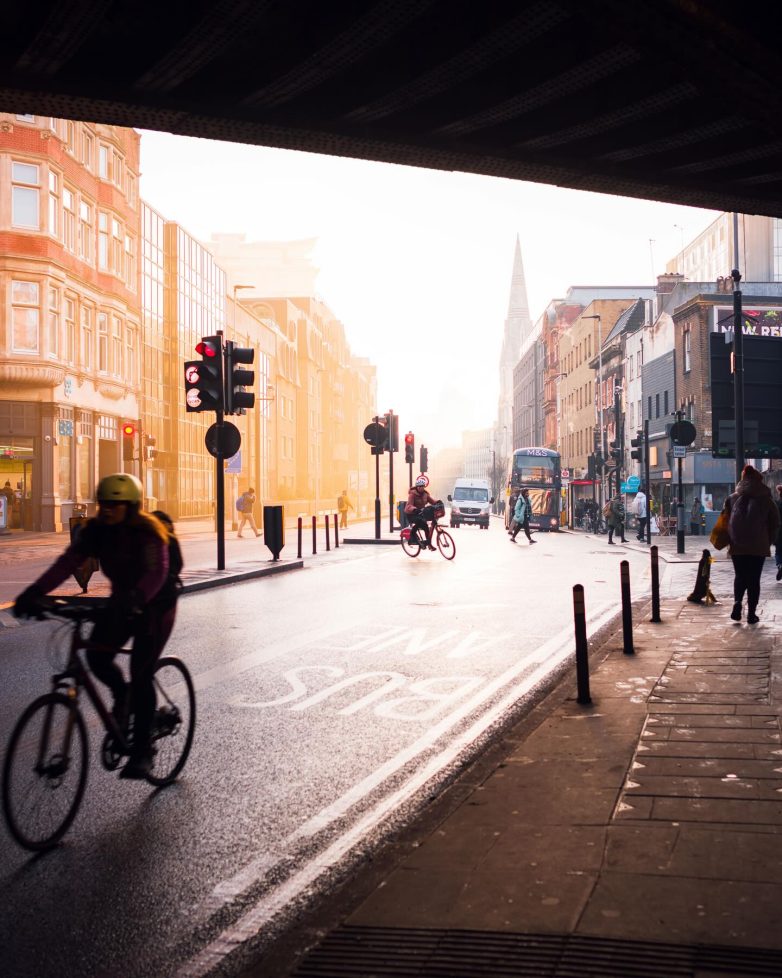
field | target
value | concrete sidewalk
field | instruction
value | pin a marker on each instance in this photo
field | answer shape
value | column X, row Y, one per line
column 636, row 836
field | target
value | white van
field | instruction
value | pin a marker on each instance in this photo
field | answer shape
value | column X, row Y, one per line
column 470, row 502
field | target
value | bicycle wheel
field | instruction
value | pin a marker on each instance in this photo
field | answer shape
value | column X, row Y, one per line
column 445, row 544
column 411, row 547
column 45, row 771
column 174, row 723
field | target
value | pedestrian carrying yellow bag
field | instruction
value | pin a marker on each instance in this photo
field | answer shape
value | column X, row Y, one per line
column 719, row 535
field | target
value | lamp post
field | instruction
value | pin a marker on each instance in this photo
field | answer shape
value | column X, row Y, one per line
column 600, row 391
column 234, row 480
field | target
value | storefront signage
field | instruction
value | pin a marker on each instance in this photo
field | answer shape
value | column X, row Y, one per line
column 757, row 321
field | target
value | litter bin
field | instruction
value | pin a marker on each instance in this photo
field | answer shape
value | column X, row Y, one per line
column 401, row 514
column 274, row 529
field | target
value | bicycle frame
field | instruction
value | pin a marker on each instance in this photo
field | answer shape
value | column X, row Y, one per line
column 79, row 672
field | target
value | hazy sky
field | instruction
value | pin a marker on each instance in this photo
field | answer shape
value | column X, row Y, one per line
column 417, row 263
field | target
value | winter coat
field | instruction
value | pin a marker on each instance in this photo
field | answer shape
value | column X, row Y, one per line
column 522, row 510
column 778, row 543
column 616, row 516
column 753, row 519
column 640, row 505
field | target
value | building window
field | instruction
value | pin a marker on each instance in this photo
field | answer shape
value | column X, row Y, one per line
column 649, row 415
column 70, row 137
column 54, row 205
column 118, row 169
column 87, row 149
column 103, row 342
column 25, row 196
column 25, row 316
column 687, row 351
column 130, row 263
column 69, row 219
column 69, row 353
column 116, row 346
column 103, row 240
column 54, row 323
column 85, row 231
column 665, row 402
column 657, row 405
column 130, row 356
column 131, row 189
column 26, row 118
column 103, row 161
column 86, row 338
column 117, row 250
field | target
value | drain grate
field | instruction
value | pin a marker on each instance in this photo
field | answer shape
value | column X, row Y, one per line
column 387, row 952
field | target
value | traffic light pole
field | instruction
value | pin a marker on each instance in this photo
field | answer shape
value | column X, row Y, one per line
column 647, row 487
column 738, row 366
column 391, row 474
column 377, row 490
column 220, row 490
column 680, row 501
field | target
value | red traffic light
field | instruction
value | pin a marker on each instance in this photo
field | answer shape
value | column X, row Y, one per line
column 207, row 348
column 128, row 430
column 409, row 438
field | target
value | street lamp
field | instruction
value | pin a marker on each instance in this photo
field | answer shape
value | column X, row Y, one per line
column 600, row 389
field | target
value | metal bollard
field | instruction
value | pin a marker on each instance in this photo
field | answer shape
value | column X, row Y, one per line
column 582, row 646
column 655, row 585
column 300, row 525
column 328, row 540
column 336, row 531
column 627, row 610
column 314, row 534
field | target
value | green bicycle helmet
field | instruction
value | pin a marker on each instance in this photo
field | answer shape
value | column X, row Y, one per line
column 120, row 488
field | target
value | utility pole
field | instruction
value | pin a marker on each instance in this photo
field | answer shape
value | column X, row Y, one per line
column 738, row 353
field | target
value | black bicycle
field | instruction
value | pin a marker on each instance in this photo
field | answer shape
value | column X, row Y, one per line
column 45, row 769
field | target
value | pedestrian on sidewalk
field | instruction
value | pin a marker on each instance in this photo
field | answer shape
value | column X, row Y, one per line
column 343, row 505
column 521, row 516
column 245, row 505
column 753, row 525
column 778, row 542
column 615, row 519
column 642, row 512
column 696, row 517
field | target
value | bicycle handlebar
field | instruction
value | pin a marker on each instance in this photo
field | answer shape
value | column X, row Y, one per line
column 72, row 608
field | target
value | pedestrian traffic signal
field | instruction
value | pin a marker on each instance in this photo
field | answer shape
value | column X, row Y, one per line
column 128, row 442
column 150, row 452
column 637, row 444
column 237, row 399
column 392, row 424
column 410, row 447
column 424, row 459
column 204, row 377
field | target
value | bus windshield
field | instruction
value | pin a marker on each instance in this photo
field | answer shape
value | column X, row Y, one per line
column 535, row 470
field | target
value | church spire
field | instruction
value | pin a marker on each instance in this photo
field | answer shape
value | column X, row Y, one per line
column 518, row 327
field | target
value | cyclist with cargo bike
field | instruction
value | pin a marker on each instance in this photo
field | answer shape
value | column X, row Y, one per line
column 147, row 726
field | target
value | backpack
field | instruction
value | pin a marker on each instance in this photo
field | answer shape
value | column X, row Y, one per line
column 239, row 504
column 607, row 509
column 173, row 585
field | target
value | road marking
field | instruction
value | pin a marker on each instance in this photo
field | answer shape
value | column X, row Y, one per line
column 548, row 657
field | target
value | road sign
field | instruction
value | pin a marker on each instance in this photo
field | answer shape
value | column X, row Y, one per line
column 682, row 433
column 680, row 451
column 565, row 473
column 223, row 440
column 233, row 465
column 633, row 483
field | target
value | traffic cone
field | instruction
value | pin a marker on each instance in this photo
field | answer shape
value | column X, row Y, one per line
column 702, row 591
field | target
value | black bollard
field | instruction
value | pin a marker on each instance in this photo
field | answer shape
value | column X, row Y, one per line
column 314, row 534
column 582, row 646
column 300, row 525
column 627, row 610
column 656, row 585
column 328, row 532
column 336, row 531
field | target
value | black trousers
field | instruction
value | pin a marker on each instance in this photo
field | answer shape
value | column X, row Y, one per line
column 150, row 632
column 643, row 522
column 522, row 526
column 747, row 569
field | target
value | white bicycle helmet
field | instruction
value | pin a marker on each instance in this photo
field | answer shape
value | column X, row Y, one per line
column 420, row 481
column 119, row 487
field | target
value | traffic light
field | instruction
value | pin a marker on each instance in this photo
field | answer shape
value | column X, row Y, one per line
column 424, row 459
column 410, row 447
column 638, row 445
column 204, row 377
column 128, row 442
column 150, row 452
column 616, row 452
column 591, row 469
column 392, row 424
column 237, row 399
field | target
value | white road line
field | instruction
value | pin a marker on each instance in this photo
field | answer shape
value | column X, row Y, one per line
column 548, row 657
